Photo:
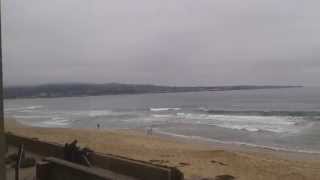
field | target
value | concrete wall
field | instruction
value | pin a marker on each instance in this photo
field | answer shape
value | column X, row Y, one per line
column 138, row 169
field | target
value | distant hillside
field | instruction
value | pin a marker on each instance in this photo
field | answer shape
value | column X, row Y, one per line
column 72, row 90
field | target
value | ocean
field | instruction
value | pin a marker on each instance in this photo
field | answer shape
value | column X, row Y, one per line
column 283, row 119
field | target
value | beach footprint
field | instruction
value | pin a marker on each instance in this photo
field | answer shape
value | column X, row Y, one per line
column 224, row 177
column 220, row 177
column 220, row 163
column 184, row 164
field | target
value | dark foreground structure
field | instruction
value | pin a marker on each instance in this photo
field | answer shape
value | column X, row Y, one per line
column 2, row 135
column 104, row 166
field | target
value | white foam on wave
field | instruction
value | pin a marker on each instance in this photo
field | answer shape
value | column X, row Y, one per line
column 162, row 116
column 274, row 120
column 203, row 109
column 100, row 113
column 164, row 109
column 277, row 124
column 257, row 128
column 24, row 109
column 52, row 123
column 243, row 127
column 32, row 117
column 34, row 107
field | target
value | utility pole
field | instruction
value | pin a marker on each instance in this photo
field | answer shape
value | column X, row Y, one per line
column 2, row 133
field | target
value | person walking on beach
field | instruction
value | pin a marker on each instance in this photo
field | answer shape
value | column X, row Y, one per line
column 150, row 131
column 98, row 126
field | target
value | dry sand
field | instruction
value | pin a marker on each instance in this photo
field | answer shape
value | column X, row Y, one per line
column 193, row 159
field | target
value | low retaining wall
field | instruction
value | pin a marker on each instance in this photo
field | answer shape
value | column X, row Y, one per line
column 35, row 146
column 137, row 169
column 56, row 169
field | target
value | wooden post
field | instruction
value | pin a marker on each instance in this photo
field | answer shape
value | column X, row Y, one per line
column 2, row 133
column 42, row 170
column 19, row 159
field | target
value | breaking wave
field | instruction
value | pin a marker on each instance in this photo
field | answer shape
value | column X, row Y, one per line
column 106, row 114
column 252, row 123
column 54, row 122
column 100, row 113
column 164, row 109
column 32, row 116
column 23, row 109
column 264, row 113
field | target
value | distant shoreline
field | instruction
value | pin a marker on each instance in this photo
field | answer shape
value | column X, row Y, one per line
column 84, row 90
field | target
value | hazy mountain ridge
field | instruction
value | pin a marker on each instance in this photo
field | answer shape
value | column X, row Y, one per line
column 79, row 89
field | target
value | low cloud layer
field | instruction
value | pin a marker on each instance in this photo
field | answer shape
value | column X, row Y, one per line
column 175, row 42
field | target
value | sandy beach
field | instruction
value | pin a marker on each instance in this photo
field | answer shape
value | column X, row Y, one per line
column 194, row 159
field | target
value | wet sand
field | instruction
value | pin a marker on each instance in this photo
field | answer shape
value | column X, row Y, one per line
column 194, row 159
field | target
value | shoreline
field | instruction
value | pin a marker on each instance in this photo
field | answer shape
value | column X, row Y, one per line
column 244, row 147
column 193, row 158
column 213, row 143
column 210, row 143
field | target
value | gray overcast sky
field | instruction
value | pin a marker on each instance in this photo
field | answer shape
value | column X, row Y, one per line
column 175, row 42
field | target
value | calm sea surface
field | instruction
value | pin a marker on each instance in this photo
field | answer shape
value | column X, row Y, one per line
column 278, row 118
